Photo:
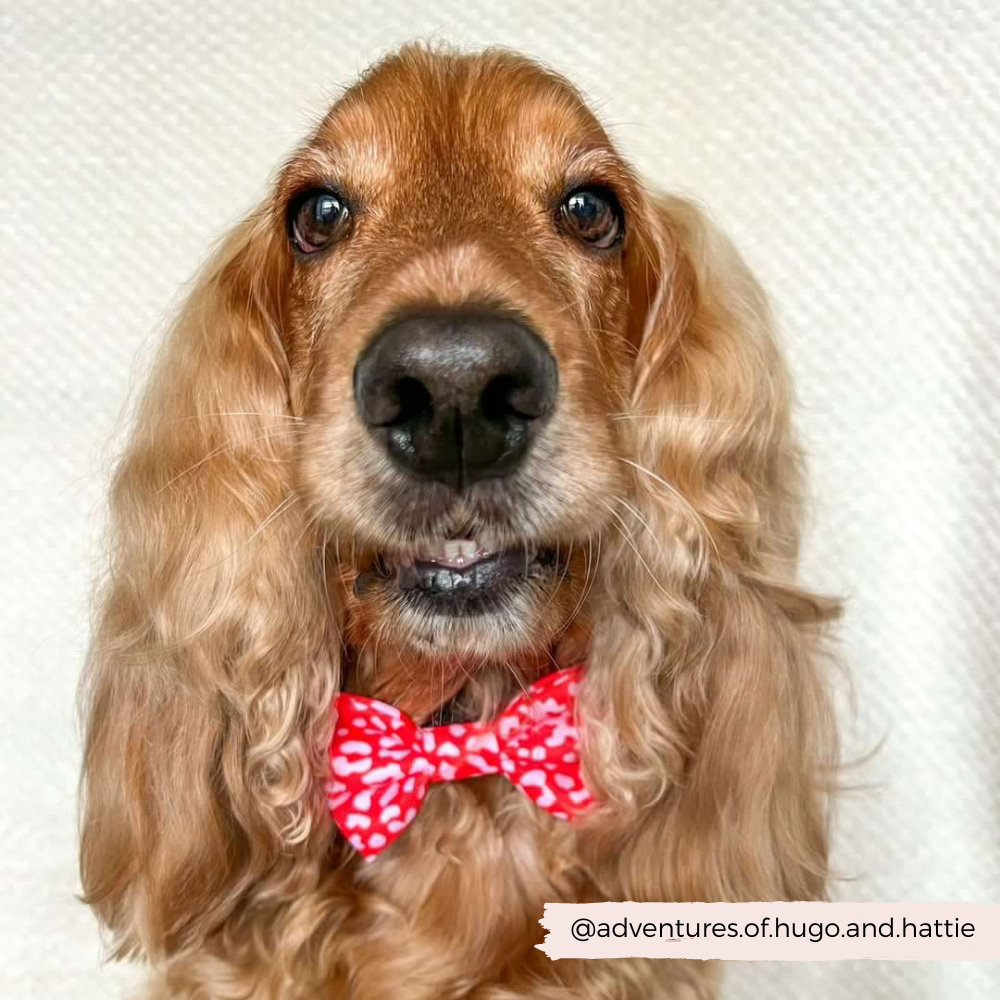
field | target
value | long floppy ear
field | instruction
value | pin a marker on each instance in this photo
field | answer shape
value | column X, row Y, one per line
column 206, row 696
column 711, row 732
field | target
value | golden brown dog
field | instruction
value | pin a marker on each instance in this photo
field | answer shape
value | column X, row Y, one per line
column 459, row 404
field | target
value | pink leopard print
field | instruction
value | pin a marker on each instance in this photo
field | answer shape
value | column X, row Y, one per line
column 383, row 763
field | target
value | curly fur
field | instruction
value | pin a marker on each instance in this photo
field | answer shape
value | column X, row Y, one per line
column 247, row 503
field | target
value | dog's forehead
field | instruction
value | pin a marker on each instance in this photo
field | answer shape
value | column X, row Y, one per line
column 453, row 119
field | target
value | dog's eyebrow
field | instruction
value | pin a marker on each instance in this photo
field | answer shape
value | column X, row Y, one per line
column 358, row 163
column 593, row 161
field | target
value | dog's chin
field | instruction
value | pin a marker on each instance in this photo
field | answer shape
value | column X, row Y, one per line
column 466, row 597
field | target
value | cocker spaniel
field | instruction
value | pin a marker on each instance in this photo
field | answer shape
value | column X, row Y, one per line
column 460, row 405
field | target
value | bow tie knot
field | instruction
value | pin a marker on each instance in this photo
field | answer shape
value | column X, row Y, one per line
column 382, row 763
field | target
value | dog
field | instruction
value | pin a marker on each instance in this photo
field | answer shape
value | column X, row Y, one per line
column 460, row 405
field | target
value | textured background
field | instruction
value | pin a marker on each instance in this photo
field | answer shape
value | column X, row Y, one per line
column 850, row 147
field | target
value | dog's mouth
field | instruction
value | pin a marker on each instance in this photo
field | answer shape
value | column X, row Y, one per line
column 484, row 616
column 460, row 576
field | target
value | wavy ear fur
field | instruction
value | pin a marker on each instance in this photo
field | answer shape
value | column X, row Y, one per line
column 205, row 699
column 712, row 738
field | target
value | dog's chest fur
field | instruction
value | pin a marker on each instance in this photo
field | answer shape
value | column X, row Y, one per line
column 453, row 910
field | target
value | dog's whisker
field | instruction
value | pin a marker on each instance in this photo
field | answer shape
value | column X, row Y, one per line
column 633, row 510
column 676, row 493
column 627, row 538
column 237, row 413
column 361, row 653
column 221, row 450
column 668, row 416
column 310, row 522
column 588, row 582
column 516, row 674
column 283, row 506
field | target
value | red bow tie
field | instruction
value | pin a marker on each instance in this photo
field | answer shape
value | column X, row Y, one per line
column 383, row 762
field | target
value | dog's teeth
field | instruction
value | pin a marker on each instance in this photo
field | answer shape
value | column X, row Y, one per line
column 455, row 552
column 431, row 553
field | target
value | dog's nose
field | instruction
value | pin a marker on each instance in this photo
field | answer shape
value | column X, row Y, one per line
column 456, row 395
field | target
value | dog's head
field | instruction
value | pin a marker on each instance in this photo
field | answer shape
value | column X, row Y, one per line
column 461, row 236
column 459, row 401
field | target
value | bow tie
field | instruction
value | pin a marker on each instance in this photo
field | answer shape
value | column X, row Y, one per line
column 383, row 763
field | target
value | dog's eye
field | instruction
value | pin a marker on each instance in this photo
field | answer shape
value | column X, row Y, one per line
column 316, row 219
column 594, row 216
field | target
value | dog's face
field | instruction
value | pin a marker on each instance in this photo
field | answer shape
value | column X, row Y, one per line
column 459, row 341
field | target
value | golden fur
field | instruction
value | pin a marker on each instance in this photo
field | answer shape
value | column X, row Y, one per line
column 248, row 501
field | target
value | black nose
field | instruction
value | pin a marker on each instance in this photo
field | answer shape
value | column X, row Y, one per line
column 456, row 395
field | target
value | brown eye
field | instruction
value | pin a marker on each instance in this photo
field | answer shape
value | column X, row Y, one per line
column 316, row 219
column 594, row 216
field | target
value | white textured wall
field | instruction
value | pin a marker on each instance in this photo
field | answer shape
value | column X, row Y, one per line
column 851, row 147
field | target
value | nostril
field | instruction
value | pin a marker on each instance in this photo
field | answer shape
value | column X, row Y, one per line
column 414, row 400
column 494, row 404
column 507, row 396
column 392, row 402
